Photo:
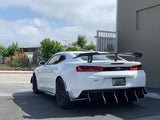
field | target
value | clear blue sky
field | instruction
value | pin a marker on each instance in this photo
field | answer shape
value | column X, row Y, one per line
column 28, row 22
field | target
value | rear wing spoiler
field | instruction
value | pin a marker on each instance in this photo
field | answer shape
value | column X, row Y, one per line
column 90, row 55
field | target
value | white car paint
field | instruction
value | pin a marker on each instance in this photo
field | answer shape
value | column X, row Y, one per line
column 76, row 82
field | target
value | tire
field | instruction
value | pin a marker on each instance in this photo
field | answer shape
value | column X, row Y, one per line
column 34, row 85
column 62, row 96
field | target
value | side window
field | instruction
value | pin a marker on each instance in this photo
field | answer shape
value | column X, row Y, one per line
column 62, row 57
column 54, row 60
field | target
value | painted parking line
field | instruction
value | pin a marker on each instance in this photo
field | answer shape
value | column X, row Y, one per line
column 153, row 95
column 149, row 118
column 15, row 89
column 15, row 78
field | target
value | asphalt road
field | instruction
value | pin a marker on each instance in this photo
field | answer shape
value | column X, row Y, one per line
column 17, row 102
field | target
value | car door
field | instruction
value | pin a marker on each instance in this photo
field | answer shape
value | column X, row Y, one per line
column 53, row 69
column 50, row 75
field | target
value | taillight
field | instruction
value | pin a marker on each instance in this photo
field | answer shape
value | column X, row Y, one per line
column 89, row 69
column 136, row 67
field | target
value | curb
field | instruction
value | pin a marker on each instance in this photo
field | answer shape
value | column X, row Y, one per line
column 16, row 72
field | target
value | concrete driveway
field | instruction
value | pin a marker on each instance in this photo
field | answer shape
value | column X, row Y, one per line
column 17, row 102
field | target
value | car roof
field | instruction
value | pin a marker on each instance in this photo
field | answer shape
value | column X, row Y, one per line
column 72, row 54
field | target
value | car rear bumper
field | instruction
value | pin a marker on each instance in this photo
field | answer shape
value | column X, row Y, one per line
column 112, row 95
column 104, row 80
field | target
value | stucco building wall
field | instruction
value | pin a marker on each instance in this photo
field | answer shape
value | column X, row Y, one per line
column 138, row 27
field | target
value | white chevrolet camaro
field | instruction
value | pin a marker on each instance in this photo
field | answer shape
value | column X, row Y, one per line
column 90, row 76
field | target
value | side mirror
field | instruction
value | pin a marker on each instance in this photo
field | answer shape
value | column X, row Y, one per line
column 42, row 63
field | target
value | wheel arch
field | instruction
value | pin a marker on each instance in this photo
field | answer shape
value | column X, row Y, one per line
column 62, row 80
column 33, row 75
column 31, row 81
column 57, row 78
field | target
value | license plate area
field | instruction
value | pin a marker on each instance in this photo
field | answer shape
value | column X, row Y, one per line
column 118, row 81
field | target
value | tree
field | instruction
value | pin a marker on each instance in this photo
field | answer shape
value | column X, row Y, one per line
column 91, row 46
column 3, row 51
column 50, row 47
column 13, row 49
column 74, row 44
column 71, row 49
column 17, row 60
column 81, row 41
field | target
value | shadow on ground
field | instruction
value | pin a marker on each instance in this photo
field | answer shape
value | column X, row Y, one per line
column 45, row 106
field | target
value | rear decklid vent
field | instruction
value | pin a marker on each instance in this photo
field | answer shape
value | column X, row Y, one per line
column 115, row 68
column 119, row 68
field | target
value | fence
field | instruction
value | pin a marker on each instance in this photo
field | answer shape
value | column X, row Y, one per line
column 106, row 41
column 19, row 64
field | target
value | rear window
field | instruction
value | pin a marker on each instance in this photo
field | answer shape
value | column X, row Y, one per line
column 100, row 57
